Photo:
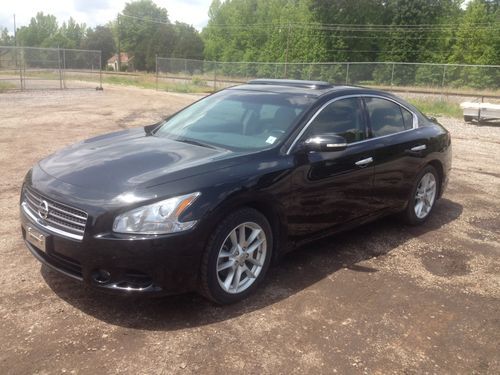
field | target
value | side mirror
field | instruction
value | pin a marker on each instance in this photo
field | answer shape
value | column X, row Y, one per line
column 325, row 143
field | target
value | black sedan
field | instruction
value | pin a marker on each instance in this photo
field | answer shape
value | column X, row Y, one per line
column 206, row 199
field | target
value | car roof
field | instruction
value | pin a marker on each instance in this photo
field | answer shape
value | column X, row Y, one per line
column 317, row 89
column 289, row 86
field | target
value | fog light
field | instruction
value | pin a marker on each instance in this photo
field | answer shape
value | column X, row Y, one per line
column 101, row 276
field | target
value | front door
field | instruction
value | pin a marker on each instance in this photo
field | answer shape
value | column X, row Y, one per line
column 332, row 188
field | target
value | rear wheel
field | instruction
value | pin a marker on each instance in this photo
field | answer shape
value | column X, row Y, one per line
column 237, row 257
column 468, row 118
column 423, row 196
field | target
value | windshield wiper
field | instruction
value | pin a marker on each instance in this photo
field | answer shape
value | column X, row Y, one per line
column 196, row 143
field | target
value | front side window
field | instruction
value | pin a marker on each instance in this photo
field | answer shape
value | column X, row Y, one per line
column 237, row 120
column 385, row 116
column 343, row 117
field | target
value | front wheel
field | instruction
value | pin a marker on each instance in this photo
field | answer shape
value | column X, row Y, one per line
column 237, row 257
column 423, row 196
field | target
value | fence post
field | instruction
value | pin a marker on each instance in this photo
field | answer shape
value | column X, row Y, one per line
column 442, row 81
column 156, row 68
column 100, row 70
column 215, row 76
column 19, row 65
column 392, row 75
column 64, row 68
column 347, row 74
column 286, row 51
column 60, row 72
column 23, row 69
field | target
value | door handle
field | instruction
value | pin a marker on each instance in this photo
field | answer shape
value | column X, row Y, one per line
column 418, row 148
column 364, row 162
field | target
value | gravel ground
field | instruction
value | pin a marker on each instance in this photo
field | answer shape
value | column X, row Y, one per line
column 394, row 299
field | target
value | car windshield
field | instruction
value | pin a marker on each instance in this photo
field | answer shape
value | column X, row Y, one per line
column 237, row 119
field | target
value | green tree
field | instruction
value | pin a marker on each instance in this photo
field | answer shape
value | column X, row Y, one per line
column 42, row 27
column 44, row 31
column 412, row 29
column 187, row 42
column 160, row 44
column 100, row 38
column 344, row 43
column 262, row 30
column 478, row 42
column 141, row 20
column 74, row 32
column 5, row 38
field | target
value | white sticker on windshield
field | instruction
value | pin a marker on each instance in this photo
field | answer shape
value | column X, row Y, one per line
column 271, row 139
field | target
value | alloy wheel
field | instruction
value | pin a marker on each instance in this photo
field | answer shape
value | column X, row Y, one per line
column 241, row 257
column 425, row 195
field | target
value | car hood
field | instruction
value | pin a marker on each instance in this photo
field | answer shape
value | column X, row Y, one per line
column 126, row 160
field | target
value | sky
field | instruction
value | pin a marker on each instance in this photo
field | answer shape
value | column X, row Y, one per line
column 97, row 12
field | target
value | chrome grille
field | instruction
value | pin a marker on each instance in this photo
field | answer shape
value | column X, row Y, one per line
column 64, row 219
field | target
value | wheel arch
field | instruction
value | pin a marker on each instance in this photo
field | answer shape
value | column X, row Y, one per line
column 438, row 166
column 277, row 220
column 268, row 207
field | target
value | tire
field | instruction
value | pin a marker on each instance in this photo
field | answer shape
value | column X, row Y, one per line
column 420, row 206
column 468, row 118
column 231, row 271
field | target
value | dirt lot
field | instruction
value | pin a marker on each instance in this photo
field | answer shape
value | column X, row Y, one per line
column 385, row 298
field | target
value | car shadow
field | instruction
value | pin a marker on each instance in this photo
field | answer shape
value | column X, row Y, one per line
column 298, row 270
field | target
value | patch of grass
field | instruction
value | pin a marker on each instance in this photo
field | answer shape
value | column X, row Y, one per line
column 437, row 107
column 149, row 82
column 4, row 86
column 137, row 81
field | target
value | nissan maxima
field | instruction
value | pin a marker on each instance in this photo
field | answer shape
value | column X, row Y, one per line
column 208, row 198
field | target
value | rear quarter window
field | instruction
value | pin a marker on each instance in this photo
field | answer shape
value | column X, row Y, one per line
column 408, row 118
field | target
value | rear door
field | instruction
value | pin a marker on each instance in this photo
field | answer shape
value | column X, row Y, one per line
column 398, row 150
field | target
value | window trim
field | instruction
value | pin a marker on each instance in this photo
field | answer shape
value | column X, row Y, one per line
column 306, row 126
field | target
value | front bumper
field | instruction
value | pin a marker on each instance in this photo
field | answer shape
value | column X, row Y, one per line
column 155, row 265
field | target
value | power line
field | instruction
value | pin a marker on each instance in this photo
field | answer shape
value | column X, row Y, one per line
column 144, row 19
column 386, row 30
column 353, row 27
column 308, row 24
column 392, row 37
column 320, row 30
column 382, row 50
column 337, row 27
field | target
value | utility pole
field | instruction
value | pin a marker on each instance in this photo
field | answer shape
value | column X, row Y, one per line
column 156, row 69
column 119, row 47
column 287, row 45
column 16, row 51
column 15, row 31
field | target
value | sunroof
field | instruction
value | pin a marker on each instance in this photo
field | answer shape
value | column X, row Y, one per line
column 318, row 85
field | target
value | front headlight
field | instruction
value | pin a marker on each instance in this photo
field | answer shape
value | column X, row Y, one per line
column 157, row 218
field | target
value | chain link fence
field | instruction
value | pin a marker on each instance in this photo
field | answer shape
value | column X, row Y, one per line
column 28, row 68
column 434, row 78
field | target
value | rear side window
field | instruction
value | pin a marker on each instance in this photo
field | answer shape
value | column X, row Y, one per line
column 385, row 116
column 343, row 117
